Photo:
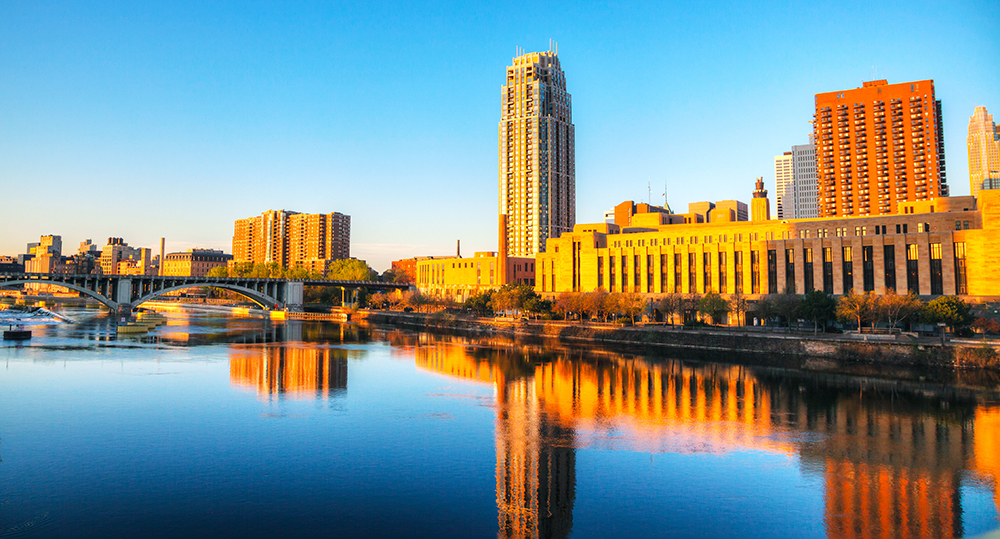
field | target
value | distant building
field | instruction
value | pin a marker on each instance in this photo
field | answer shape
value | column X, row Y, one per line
column 10, row 264
column 118, row 258
column 721, row 211
column 50, row 244
column 984, row 151
column 622, row 214
column 88, row 247
column 795, row 183
column 194, row 262
column 458, row 278
column 291, row 239
column 760, row 206
column 878, row 146
column 537, row 153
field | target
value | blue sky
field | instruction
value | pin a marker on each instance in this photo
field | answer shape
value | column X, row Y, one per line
column 173, row 119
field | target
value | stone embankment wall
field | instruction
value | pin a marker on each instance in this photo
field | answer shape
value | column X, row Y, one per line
column 712, row 344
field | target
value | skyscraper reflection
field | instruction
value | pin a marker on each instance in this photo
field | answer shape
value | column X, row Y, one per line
column 892, row 463
column 296, row 371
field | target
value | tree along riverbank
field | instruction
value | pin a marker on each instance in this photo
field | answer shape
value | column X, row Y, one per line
column 727, row 344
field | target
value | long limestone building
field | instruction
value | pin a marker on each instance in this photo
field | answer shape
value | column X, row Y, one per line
column 941, row 245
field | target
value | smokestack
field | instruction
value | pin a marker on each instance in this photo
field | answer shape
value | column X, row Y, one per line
column 458, row 248
column 160, row 269
column 502, row 250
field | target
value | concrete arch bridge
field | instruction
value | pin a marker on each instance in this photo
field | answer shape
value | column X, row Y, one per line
column 122, row 293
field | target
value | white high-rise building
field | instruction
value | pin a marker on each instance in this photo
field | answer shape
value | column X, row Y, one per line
column 537, row 154
column 795, row 183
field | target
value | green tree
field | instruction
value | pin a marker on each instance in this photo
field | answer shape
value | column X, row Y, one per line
column 712, row 304
column 218, row 271
column 819, row 307
column 950, row 310
column 481, row 303
column 787, row 307
column 351, row 269
column 764, row 309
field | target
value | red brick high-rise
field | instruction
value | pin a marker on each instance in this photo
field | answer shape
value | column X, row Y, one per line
column 877, row 146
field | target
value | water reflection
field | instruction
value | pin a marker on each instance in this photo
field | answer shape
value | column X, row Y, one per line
column 289, row 371
column 892, row 461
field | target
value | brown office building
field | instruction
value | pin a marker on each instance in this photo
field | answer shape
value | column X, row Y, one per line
column 878, row 146
column 293, row 239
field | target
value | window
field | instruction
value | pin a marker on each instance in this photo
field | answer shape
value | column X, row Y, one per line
column 807, row 270
column 889, row 262
column 706, row 273
column 912, row 269
column 738, row 276
column 772, row 271
column 723, row 270
column 790, row 271
column 961, row 286
column 937, row 285
column 848, row 268
column 677, row 273
column 754, row 272
column 868, row 268
column 692, row 273
column 828, row 270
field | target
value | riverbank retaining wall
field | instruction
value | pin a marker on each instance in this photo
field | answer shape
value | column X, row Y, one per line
column 710, row 343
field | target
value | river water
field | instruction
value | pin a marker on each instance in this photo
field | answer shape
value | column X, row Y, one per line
column 213, row 426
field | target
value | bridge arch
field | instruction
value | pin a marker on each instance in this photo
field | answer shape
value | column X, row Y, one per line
column 265, row 301
column 85, row 291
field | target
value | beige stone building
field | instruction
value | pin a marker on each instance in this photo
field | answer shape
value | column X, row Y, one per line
column 932, row 247
column 458, row 278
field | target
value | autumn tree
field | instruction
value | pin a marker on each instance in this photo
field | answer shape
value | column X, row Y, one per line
column 858, row 308
column 893, row 308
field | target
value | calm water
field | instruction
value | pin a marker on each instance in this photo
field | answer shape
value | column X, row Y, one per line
column 216, row 427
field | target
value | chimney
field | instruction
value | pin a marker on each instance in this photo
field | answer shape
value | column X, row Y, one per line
column 458, row 248
column 160, row 269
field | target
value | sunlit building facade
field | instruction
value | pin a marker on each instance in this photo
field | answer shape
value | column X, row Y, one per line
column 291, row 239
column 878, row 146
column 459, row 278
column 537, row 153
column 194, row 262
column 940, row 246
column 984, row 150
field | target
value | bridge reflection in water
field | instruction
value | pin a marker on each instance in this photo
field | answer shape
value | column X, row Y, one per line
column 892, row 464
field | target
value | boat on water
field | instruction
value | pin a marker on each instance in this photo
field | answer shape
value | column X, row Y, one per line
column 19, row 334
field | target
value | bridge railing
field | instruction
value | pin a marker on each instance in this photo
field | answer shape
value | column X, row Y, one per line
column 9, row 276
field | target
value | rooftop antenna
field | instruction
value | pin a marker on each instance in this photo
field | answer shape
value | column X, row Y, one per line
column 649, row 194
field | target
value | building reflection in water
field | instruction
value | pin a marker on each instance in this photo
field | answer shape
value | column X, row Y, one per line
column 892, row 463
column 289, row 371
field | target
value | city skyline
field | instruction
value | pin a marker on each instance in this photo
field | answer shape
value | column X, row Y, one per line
column 133, row 117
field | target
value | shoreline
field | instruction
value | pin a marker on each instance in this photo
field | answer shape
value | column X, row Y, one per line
column 790, row 350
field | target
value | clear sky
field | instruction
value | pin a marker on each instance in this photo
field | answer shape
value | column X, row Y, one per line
column 173, row 119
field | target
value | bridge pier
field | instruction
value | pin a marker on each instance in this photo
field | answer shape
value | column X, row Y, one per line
column 293, row 296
